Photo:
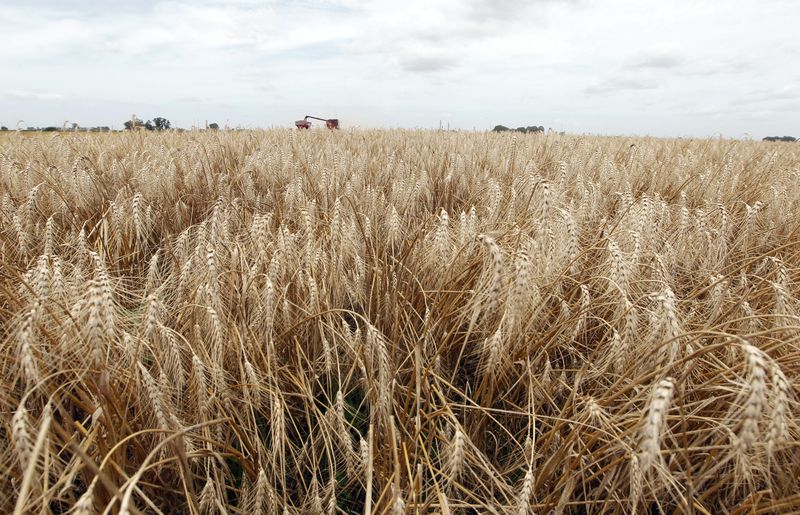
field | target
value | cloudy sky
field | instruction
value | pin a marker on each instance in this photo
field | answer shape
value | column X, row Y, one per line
column 667, row 68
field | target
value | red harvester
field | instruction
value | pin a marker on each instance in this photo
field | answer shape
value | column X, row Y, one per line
column 331, row 123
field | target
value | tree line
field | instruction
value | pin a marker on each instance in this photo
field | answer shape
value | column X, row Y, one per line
column 790, row 139
column 530, row 128
column 159, row 123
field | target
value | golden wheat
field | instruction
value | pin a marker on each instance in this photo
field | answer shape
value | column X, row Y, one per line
column 398, row 321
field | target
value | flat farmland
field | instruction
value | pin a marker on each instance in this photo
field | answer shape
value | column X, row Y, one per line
column 398, row 322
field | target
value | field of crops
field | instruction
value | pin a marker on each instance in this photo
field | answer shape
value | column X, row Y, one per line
column 398, row 322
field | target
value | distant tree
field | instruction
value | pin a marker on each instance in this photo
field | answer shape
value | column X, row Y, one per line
column 50, row 129
column 161, row 124
column 213, row 126
column 523, row 130
column 3, row 128
column 131, row 124
column 788, row 139
column 157, row 124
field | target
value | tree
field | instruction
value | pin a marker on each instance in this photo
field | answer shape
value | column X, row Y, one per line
column 148, row 125
column 788, row 139
column 161, row 124
column 213, row 126
column 134, row 123
column 523, row 130
column 3, row 128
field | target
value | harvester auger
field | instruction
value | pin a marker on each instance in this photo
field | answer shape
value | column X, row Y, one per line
column 331, row 123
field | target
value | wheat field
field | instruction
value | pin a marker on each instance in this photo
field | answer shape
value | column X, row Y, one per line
column 398, row 322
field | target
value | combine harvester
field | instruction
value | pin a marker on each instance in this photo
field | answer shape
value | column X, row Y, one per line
column 331, row 123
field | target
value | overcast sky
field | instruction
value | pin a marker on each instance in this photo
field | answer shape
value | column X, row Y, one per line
column 667, row 68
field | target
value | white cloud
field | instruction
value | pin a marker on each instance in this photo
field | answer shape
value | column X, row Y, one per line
column 621, row 84
column 41, row 96
column 422, row 62
column 603, row 65
column 656, row 60
column 778, row 94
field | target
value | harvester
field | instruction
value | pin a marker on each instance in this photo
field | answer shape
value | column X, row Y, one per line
column 331, row 123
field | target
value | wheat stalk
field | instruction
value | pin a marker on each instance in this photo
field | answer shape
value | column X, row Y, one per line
column 654, row 425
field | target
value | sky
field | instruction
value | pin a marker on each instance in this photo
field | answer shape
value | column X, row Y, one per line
column 636, row 67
